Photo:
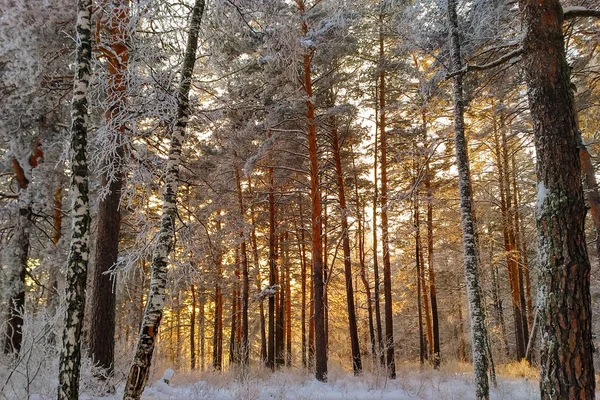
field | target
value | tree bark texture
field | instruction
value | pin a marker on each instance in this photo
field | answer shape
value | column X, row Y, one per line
column 478, row 330
column 140, row 366
column 387, row 267
column 566, row 364
column 77, row 261
column 103, row 295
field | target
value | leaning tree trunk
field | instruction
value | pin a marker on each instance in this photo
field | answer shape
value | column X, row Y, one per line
column 565, row 314
column 77, row 261
column 478, row 331
column 140, row 366
column 352, row 325
column 103, row 297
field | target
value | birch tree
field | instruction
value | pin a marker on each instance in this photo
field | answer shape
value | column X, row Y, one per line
column 478, row 330
column 77, row 262
column 140, row 366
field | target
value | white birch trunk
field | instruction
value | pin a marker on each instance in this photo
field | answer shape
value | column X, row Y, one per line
column 140, row 366
column 77, row 262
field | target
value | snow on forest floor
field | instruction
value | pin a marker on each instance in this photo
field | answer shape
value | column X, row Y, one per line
column 295, row 384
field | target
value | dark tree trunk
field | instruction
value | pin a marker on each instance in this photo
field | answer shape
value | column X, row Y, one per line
column 352, row 325
column 244, row 343
column 263, row 330
column 387, row 265
column 376, row 283
column 430, row 267
column 280, row 320
column 566, row 350
column 508, row 240
column 218, row 323
column 272, row 272
column 193, row 329
column 302, row 252
column 103, row 296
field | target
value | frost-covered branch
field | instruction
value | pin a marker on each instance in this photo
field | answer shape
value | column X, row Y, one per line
column 475, row 67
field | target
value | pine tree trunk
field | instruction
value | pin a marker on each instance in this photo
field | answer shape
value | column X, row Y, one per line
column 272, row 272
column 387, row 267
column 280, row 314
column 288, row 312
column 424, row 285
column 478, row 330
column 430, row 267
column 523, row 260
column 506, row 234
column 591, row 190
column 352, row 324
column 263, row 331
column 302, row 251
column 218, row 323
column 77, row 261
column 103, row 295
column 315, row 197
column 566, row 350
column 377, row 283
column 244, row 344
column 193, row 330
column 140, row 366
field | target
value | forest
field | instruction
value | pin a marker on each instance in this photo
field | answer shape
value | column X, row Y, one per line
column 292, row 199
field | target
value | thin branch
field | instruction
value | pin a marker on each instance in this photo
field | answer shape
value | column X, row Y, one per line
column 474, row 67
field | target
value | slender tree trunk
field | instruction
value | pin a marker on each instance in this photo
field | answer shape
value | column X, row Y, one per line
column 201, row 302
column 499, row 310
column 566, row 350
column 315, row 196
column 377, row 283
column 77, row 261
column 478, row 330
column 272, row 271
column 302, row 251
column 430, row 267
column 244, row 344
column 193, row 329
column 233, row 343
column 288, row 309
column 140, row 366
column 218, row 324
column 422, row 343
column 280, row 317
column 352, row 324
column 592, row 196
column 519, row 297
column 424, row 285
column 361, row 258
column 519, row 237
column 508, row 249
column 103, row 295
column 263, row 331
column 387, row 267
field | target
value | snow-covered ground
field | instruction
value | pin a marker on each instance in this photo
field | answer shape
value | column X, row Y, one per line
column 410, row 385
